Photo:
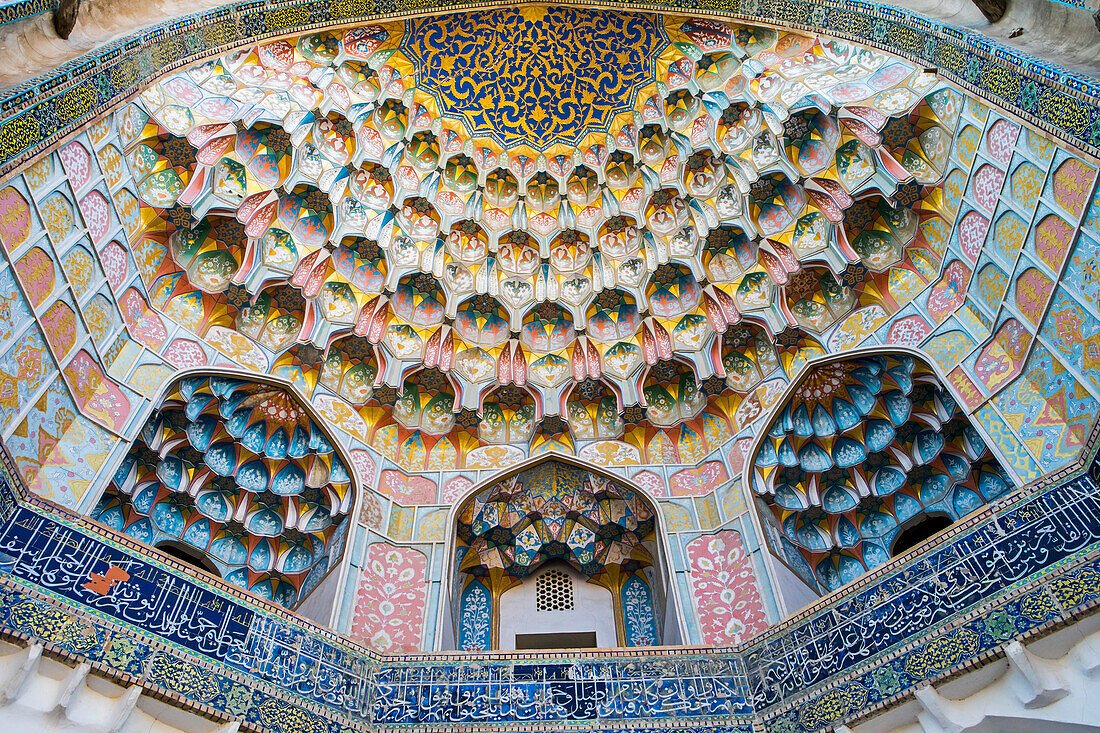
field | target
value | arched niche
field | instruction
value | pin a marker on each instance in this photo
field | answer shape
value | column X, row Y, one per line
column 238, row 476
column 865, row 453
column 554, row 515
column 918, row 530
column 187, row 554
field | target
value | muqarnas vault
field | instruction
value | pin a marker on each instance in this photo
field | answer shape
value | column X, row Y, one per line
column 538, row 368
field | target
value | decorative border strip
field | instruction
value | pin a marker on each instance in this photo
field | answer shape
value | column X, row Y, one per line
column 129, row 657
column 23, row 9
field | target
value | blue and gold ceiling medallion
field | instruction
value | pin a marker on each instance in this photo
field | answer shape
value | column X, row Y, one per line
column 535, row 75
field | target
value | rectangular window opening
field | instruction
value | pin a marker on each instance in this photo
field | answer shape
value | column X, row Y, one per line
column 559, row 640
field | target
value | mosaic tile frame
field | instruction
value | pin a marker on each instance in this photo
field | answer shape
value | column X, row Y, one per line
column 812, row 706
column 22, row 9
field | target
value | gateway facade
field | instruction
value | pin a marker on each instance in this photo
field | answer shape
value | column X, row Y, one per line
column 724, row 367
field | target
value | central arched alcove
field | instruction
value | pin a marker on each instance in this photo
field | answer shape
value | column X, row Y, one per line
column 556, row 554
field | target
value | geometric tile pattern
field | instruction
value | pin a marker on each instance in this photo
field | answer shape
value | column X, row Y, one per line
column 555, row 511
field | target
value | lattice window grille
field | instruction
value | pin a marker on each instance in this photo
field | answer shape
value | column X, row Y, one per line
column 554, row 591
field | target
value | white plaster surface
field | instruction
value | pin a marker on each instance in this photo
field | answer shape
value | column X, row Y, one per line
column 593, row 610
column 32, row 46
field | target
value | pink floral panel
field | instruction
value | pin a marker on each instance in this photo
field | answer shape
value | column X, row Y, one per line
column 391, row 599
column 724, row 585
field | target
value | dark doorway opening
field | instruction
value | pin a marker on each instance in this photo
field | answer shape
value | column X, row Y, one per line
column 189, row 556
column 559, row 640
column 923, row 527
